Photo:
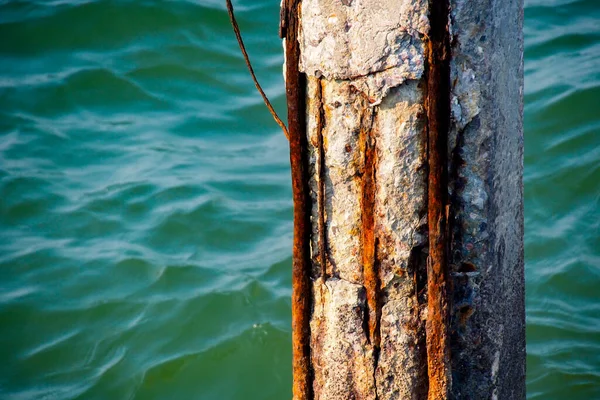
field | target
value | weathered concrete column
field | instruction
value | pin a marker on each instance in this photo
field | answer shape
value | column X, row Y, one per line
column 405, row 123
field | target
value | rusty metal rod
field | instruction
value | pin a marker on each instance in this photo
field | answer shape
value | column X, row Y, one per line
column 301, row 264
column 438, row 113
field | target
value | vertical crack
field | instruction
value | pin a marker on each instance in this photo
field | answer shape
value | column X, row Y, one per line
column 371, row 279
column 322, row 228
column 368, row 240
column 437, row 104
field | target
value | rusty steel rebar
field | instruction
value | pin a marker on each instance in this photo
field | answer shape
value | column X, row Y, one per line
column 437, row 104
column 301, row 264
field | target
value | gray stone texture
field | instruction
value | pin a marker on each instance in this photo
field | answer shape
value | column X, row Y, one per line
column 486, row 153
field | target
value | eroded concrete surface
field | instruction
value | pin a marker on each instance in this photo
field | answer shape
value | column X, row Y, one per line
column 378, row 44
column 397, row 130
column 365, row 62
column 486, row 145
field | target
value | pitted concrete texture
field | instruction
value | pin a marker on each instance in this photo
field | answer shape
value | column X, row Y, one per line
column 378, row 44
column 364, row 62
column 486, row 145
column 397, row 128
column 342, row 357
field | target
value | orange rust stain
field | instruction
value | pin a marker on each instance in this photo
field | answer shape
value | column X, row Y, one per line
column 370, row 275
column 322, row 228
column 466, row 266
column 464, row 314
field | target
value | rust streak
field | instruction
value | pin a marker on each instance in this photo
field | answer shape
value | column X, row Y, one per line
column 321, row 181
column 370, row 276
column 301, row 264
column 438, row 114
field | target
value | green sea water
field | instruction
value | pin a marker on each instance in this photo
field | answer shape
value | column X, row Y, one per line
column 145, row 201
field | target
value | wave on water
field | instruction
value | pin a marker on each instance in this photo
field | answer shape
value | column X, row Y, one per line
column 145, row 221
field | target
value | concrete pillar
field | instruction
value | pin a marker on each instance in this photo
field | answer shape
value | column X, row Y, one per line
column 405, row 125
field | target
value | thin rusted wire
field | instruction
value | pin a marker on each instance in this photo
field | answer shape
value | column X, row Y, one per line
column 238, row 36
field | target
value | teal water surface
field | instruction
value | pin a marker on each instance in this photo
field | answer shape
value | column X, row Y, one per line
column 145, row 201
column 562, row 198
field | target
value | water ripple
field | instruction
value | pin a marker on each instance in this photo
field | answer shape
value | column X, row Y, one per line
column 145, row 221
